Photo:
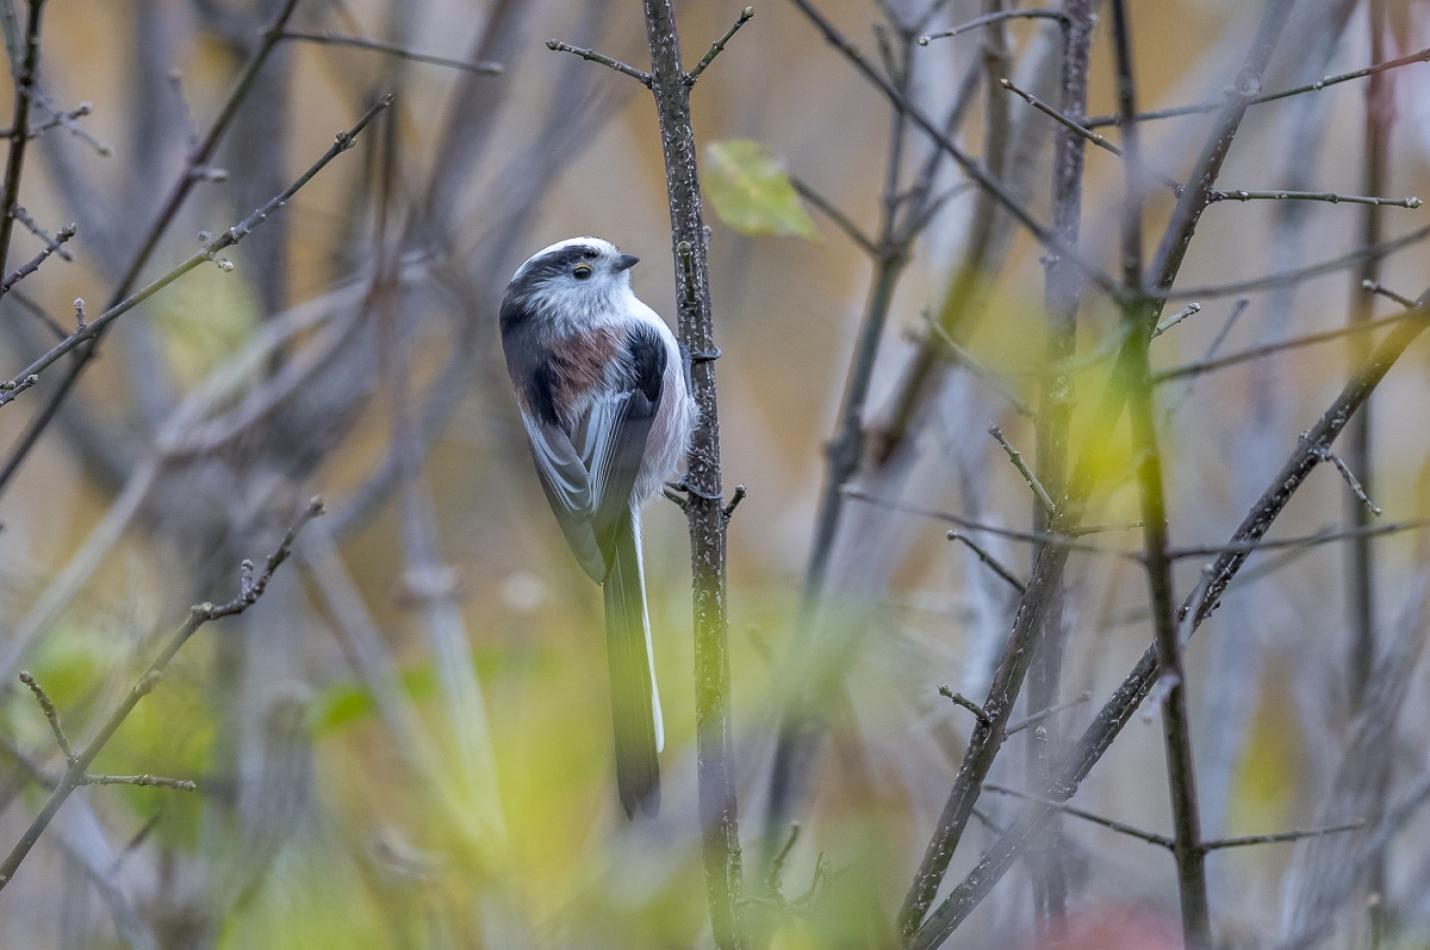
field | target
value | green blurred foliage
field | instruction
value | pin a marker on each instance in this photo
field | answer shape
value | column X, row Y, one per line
column 751, row 192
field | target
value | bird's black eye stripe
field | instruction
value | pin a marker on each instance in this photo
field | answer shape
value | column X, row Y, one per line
column 590, row 254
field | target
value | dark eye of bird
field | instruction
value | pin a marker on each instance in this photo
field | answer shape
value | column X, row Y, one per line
column 581, row 272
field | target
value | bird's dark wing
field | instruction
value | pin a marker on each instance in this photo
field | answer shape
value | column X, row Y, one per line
column 588, row 470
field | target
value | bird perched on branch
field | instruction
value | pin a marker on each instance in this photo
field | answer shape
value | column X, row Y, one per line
column 605, row 399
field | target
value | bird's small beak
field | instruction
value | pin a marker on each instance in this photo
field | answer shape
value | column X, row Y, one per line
column 626, row 262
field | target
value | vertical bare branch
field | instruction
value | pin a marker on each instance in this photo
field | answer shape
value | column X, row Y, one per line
column 671, row 84
column 1062, row 295
column 1141, row 323
column 1361, row 574
column 1361, row 592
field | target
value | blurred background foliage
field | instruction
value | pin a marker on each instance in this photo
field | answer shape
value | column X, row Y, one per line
column 406, row 743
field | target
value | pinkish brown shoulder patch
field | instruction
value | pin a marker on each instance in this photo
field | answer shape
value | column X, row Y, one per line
column 578, row 364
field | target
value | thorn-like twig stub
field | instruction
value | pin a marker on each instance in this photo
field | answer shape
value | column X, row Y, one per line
column 958, row 699
column 734, row 502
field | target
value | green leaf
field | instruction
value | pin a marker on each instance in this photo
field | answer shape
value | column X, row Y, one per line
column 751, row 192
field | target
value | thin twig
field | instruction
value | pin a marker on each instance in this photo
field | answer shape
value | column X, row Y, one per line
column 1016, row 458
column 1327, row 196
column 990, row 18
column 1376, row 287
column 991, row 562
column 481, row 68
column 1241, row 841
column 56, row 120
column 65, row 118
column 977, row 368
column 33, row 264
column 200, row 614
column 143, row 781
column 1300, row 274
column 1033, row 719
column 1112, row 824
column 644, row 78
column 1267, row 349
column 1072, row 125
column 718, row 46
column 840, row 220
column 52, row 715
column 1032, row 537
column 34, row 228
column 1353, row 483
column 958, row 699
column 1420, row 56
column 1300, row 541
column 1062, row 296
column 1176, row 318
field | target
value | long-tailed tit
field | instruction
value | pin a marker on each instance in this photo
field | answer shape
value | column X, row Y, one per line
column 608, row 414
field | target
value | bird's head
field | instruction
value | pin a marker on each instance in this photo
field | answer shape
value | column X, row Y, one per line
column 579, row 272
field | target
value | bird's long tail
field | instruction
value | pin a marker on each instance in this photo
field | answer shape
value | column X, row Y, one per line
column 635, row 703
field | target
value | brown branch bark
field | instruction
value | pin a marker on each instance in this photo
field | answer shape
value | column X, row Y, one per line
column 670, row 85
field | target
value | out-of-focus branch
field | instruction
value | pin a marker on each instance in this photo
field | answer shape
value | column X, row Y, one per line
column 1049, row 562
column 228, row 238
column 197, row 161
column 903, row 214
column 1062, row 297
column 1119, row 709
column 395, row 49
column 1267, row 349
column 1420, row 56
column 251, row 588
column 970, row 167
column 1299, row 274
column 990, row 18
